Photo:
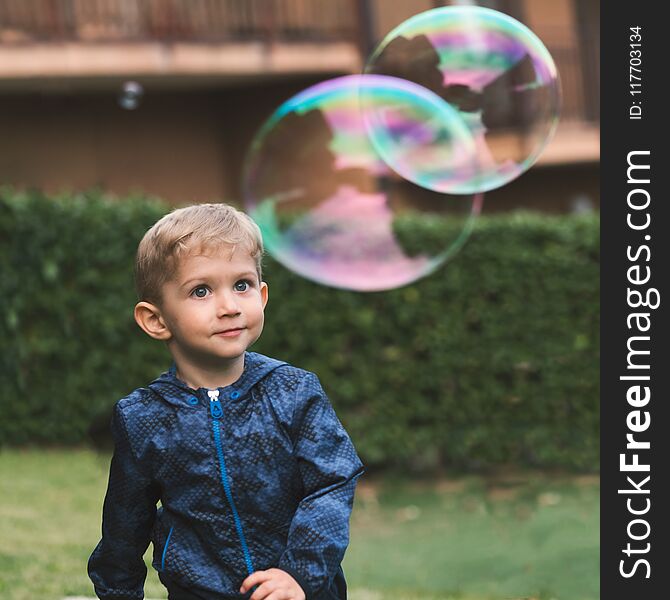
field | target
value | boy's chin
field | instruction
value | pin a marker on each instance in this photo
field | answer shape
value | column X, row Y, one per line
column 233, row 355
column 225, row 357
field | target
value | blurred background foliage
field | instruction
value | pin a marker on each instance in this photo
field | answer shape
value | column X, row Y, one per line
column 493, row 359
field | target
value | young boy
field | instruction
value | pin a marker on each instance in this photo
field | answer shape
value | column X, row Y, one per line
column 254, row 471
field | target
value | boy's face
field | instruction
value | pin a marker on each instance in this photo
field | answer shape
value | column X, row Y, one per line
column 213, row 307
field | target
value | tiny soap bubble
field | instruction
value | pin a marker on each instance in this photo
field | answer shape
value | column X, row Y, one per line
column 131, row 95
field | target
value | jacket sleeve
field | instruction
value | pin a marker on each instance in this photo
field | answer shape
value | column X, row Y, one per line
column 116, row 566
column 329, row 467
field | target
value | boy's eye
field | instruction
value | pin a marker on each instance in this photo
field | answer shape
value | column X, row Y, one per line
column 199, row 292
column 242, row 285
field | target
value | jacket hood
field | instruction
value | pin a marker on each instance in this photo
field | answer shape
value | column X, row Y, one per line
column 175, row 391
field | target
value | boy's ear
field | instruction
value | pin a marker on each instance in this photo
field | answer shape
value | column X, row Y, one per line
column 264, row 293
column 148, row 317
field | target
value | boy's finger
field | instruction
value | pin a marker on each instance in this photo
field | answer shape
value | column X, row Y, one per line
column 263, row 591
column 254, row 579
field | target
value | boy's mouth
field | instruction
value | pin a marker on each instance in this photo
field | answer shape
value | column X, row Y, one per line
column 230, row 332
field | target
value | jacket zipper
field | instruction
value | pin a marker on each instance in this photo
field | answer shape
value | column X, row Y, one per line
column 167, row 541
column 216, row 410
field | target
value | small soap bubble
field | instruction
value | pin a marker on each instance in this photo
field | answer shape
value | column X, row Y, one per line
column 329, row 207
column 495, row 72
column 131, row 95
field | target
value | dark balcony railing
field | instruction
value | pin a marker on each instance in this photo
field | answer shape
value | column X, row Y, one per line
column 578, row 65
column 178, row 20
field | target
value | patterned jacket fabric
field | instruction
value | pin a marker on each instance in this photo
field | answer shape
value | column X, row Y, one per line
column 254, row 475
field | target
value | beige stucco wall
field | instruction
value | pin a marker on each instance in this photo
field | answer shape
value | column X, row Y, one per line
column 181, row 145
column 189, row 147
column 64, row 129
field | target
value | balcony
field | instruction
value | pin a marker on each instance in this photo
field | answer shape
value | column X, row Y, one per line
column 577, row 138
column 213, row 71
column 98, row 38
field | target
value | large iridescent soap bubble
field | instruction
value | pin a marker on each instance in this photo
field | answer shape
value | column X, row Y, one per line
column 495, row 72
column 329, row 207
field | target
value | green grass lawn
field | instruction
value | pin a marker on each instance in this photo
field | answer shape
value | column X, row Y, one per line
column 516, row 535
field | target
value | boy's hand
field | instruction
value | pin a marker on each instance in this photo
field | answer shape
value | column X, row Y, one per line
column 275, row 584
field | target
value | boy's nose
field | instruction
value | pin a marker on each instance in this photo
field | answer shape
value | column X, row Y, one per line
column 228, row 306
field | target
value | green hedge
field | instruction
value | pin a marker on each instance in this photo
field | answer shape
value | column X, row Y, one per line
column 492, row 359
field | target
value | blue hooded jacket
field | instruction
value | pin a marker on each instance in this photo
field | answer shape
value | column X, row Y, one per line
column 255, row 475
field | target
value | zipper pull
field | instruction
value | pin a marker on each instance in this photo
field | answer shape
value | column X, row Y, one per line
column 214, row 405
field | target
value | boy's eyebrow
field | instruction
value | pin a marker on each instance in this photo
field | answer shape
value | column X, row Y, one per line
column 191, row 281
column 247, row 274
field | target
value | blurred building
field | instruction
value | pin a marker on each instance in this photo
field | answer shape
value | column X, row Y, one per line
column 213, row 70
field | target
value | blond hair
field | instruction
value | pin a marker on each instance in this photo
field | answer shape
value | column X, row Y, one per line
column 199, row 227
